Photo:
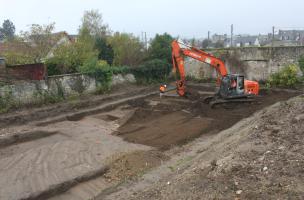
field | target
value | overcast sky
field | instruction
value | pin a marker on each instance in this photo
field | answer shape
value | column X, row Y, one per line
column 184, row 18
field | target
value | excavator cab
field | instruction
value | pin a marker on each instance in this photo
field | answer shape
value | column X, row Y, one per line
column 232, row 86
column 236, row 86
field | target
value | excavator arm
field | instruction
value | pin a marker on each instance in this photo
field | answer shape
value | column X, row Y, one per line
column 180, row 50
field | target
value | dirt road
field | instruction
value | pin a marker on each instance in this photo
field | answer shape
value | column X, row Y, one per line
column 93, row 151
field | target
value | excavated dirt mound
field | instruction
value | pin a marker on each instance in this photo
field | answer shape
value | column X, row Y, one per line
column 133, row 164
column 170, row 121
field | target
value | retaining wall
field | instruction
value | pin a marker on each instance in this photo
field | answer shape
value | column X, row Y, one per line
column 256, row 63
column 70, row 84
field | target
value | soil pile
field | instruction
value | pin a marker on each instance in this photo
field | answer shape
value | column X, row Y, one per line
column 132, row 165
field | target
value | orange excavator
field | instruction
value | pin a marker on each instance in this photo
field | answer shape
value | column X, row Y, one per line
column 232, row 87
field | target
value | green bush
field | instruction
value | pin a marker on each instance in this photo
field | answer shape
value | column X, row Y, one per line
column 120, row 70
column 301, row 64
column 47, row 97
column 7, row 102
column 152, row 71
column 101, row 71
column 53, row 67
column 287, row 77
column 68, row 57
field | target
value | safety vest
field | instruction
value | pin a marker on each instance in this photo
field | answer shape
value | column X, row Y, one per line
column 162, row 89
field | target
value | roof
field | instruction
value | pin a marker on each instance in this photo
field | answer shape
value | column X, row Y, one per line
column 74, row 37
column 246, row 39
column 281, row 43
column 291, row 31
column 8, row 46
column 64, row 33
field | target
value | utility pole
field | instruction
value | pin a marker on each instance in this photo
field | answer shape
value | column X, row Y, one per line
column 142, row 37
column 146, row 43
column 273, row 28
column 231, row 39
column 208, row 39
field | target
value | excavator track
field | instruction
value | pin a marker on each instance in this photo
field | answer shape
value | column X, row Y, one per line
column 213, row 101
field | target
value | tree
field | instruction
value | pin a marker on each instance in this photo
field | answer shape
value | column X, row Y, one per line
column 33, row 46
column 161, row 47
column 7, row 31
column 193, row 42
column 206, row 43
column 105, row 50
column 92, row 21
column 219, row 44
column 70, row 56
column 40, row 40
column 18, row 53
column 128, row 49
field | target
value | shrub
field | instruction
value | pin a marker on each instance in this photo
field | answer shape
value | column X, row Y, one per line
column 53, row 67
column 68, row 57
column 47, row 97
column 7, row 101
column 151, row 71
column 287, row 77
column 121, row 70
column 101, row 71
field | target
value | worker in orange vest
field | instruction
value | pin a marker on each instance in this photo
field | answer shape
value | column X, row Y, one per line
column 162, row 90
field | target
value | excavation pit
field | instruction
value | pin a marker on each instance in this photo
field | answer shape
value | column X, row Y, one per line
column 170, row 121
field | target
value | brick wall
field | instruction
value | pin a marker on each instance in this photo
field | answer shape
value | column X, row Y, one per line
column 26, row 72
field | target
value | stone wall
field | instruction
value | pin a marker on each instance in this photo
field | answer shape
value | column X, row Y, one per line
column 256, row 63
column 70, row 84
